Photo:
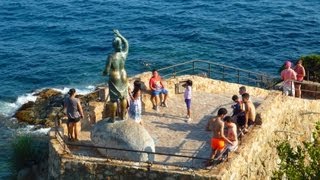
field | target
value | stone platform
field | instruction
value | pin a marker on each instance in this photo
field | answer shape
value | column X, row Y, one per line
column 256, row 157
column 171, row 132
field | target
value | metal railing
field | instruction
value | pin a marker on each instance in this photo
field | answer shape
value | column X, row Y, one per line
column 221, row 72
column 65, row 145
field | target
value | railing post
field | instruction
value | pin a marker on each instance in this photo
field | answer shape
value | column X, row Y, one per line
column 209, row 73
column 308, row 75
column 238, row 76
column 174, row 72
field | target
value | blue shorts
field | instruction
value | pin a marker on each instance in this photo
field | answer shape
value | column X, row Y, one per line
column 157, row 92
column 188, row 103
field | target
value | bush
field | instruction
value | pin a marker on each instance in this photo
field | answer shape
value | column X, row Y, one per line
column 26, row 151
column 302, row 162
column 312, row 64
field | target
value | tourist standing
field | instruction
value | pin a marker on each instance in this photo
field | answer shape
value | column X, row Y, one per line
column 216, row 125
column 73, row 109
column 157, row 88
column 135, row 102
column 288, row 75
column 301, row 73
column 187, row 98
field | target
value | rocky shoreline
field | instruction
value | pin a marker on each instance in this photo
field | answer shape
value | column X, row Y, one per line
column 48, row 107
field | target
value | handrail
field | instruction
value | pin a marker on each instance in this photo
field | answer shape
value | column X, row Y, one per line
column 217, row 64
column 64, row 144
column 259, row 79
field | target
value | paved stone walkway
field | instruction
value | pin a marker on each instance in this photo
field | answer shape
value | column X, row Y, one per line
column 171, row 132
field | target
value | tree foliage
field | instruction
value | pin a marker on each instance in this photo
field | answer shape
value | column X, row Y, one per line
column 312, row 64
column 300, row 162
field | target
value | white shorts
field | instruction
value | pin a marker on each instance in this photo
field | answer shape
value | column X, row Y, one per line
column 288, row 90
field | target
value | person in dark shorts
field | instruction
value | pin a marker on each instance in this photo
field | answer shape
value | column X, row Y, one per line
column 187, row 98
column 238, row 112
column 250, row 113
column 157, row 88
column 74, row 113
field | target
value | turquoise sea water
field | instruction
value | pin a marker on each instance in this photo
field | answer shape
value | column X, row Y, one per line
column 63, row 44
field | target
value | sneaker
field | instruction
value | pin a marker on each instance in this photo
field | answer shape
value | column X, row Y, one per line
column 155, row 108
column 189, row 120
column 164, row 104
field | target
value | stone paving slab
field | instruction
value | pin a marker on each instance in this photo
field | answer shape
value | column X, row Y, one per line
column 171, row 132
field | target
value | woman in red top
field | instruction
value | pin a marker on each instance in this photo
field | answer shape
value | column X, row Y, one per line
column 301, row 73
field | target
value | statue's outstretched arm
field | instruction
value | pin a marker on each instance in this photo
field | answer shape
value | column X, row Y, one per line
column 124, row 41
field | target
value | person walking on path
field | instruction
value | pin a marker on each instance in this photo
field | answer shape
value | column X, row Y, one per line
column 187, row 98
column 157, row 88
column 135, row 102
column 288, row 76
column 301, row 73
column 73, row 109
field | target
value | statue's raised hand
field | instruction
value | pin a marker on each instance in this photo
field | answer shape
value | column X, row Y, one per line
column 116, row 32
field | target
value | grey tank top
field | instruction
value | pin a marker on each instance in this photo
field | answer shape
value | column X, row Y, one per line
column 72, row 107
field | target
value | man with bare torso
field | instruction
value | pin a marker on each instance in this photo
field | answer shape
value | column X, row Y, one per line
column 216, row 125
column 250, row 111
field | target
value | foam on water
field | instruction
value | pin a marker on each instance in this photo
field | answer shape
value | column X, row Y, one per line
column 8, row 108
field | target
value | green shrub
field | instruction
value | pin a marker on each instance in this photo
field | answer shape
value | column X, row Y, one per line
column 301, row 162
column 312, row 64
column 27, row 150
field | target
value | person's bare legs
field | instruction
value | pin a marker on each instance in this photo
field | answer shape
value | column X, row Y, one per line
column 75, row 131
column 165, row 99
column 156, row 101
column 71, row 130
column 212, row 155
column 68, row 128
column 153, row 100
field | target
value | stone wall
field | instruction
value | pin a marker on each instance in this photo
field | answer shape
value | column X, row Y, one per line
column 283, row 118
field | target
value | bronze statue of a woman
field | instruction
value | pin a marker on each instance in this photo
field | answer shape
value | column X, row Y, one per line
column 118, row 82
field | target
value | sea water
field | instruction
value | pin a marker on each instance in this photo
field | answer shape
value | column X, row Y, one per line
column 64, row 43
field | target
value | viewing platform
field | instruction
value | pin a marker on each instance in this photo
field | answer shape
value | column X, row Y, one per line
column 182, row 147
